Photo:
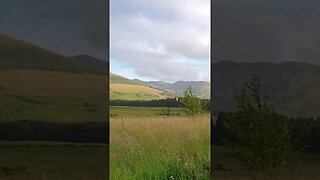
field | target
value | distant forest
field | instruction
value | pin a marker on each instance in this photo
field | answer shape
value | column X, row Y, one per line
column 86, row 132
column 169, row 102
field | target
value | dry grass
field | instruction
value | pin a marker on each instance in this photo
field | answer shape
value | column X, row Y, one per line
column 160, row 148
column 52, row 83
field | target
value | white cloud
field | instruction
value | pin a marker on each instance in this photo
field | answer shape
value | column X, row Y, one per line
column 157, row 37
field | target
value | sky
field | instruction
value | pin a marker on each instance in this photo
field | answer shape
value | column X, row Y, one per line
column 160, row 39
column 266, row 30
column 69, row 27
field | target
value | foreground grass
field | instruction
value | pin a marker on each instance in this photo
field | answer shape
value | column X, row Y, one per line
column 226, row 167
column 52, row 161
column 160, row 148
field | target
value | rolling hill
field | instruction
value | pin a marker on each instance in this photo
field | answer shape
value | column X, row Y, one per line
column 146, row 90
column 293, row 87
column 38, row 84
column 17, row 54
column 122, row 88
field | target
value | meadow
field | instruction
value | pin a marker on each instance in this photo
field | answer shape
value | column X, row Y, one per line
column 225, row 167
column 51, row 96
column 52, row 160
column 149, row 146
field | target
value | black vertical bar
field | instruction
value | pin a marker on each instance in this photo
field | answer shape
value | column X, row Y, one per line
column 211, row 88
column 107, row 86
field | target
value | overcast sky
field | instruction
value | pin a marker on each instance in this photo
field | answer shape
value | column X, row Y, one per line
column 160, row 39
column 69, row 27
column 266, row 30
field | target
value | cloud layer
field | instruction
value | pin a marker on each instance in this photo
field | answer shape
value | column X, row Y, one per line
column 162, row 39
column 260, row 30
column 69, row 27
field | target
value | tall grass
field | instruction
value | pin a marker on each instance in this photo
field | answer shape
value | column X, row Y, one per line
column 160, row 148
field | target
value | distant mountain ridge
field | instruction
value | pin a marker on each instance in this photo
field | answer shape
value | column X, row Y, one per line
column 201, row 88
column 293, row 87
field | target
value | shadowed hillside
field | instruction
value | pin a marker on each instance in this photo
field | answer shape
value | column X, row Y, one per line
column 17, row 54
column 38, row 84
column 292, row 86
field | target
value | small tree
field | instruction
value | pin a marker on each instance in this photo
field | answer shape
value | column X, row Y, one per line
column 190, row 102
column 261, row 137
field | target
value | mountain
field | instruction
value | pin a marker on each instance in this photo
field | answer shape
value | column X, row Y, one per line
column 39, row 84
column 201, row 88
column 293, row 87
column 122, row 88
column 18, row 54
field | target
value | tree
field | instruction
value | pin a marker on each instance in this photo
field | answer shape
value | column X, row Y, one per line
column 262, row 138
column 190, row 102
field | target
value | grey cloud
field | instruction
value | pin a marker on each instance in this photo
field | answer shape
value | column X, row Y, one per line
column 266, row 30
column 66, row 26
column 158, row 47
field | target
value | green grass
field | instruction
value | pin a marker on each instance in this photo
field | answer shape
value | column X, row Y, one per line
column 45, row 160
column 124, row 91
column 305, row 166
column 58, row 109
column 114, row 78
column 160, row 148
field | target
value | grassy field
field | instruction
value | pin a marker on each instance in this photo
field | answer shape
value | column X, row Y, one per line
column 174, row 147
column 52, row 96
column 52, row 161
column 305, row 166
column 51, row 83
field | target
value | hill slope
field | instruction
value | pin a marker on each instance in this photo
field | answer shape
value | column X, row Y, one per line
column 17, row 54
column 52, row 96
column 292, row 87
column 38, row 84
column 122, row 88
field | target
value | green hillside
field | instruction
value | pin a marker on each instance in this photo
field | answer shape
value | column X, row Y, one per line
column 122, row 88
column 17, row 54
column 114, row 78
column 38, row 84
column 51, row 96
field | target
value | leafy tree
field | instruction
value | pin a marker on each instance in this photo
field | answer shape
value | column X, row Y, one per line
column 190, row 102
column 206, row 104
column 262, row 138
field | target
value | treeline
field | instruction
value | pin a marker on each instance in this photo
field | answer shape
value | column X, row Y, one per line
column 85, row 132
column 168, row 102
column 306, row 132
